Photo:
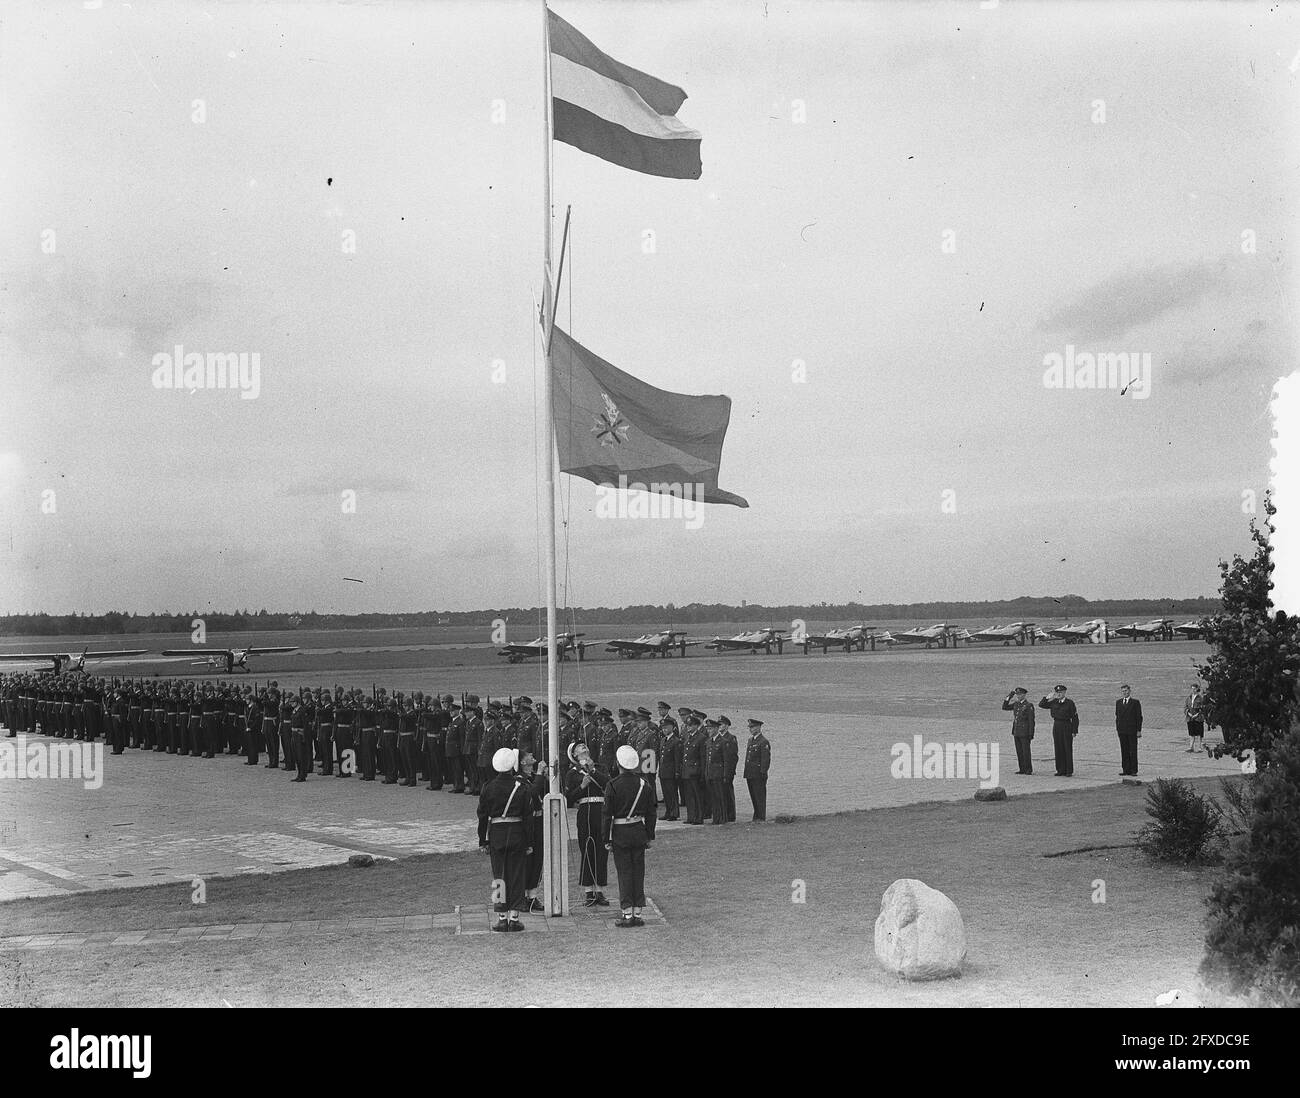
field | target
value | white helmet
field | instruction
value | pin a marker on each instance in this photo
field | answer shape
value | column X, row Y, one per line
column 627, row 757
column 503, row 761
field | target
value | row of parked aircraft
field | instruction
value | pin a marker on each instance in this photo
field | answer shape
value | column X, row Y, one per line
column 232, row 659
column 674, row 642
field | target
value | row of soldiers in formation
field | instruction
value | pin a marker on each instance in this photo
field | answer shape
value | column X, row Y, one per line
column 405, row 737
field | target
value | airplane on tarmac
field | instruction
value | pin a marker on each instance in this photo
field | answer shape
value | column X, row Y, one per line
column 66, row 661
column 856, row 636
column 1018, row 633
column 1192, row 630
column 1155, row 629
column 565, row 643
column 751, row 642
column 1089, row 632
column 232, row 658
column 651, row 644
column 942, row 635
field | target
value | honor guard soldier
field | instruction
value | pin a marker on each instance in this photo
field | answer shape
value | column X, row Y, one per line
column 298, row 722
column 758, row 761
column 234, row 723
column 192, row 745
column 406, row 742
column 369, row 724
column 1022, row 727
column 345, row 731
column 286, row 730
column 504, row 807
column 1065, row 726
column 325, row 733
column 455, row 737
column 252, row 727
column 270, row 730
column 584, row 790
column 629, row 822
column 730, row 760
column 389, row 718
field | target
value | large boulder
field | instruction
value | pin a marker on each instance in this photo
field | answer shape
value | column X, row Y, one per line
column 919, row 932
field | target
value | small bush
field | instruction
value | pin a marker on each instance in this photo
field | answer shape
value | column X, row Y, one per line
column 1252, row 942
column 1185, row 826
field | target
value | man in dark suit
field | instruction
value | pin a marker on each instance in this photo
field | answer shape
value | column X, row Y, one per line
column 1065, row 726
column 1128, row 724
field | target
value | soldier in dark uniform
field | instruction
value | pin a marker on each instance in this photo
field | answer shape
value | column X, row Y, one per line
column 537, row 785
column 234, row 723
column 270, row 721
column 647, row 747
column 119, row 711
column 345, row 731
column 389, row 718
column 1065, row 726
column 610, row 739
column 629, row 823
column 406, row 741
column 286, row 731
column 192, row 744
column 692, row 766
column 670, row 760
column 435, row 740
column 584, row 789
column 730, row 759
column 325, row 732
column 252, row 727
column 504, row 807
column 368, row 723
column 528, row 729
column 1022, row 727
column 452, row 750
column 715, row 766
column 484, row 736
column 758, row 761
column 300, row 722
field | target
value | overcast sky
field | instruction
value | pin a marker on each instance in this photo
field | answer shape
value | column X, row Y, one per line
column 921, row 458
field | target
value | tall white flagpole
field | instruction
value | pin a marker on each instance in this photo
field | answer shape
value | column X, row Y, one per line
column 555, row 857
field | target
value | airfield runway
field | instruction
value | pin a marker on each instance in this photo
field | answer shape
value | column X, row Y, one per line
column 832, row 720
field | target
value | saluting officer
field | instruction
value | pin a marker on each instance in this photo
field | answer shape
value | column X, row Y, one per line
column 504, row 806
column 1065, row 726
column 758, row 761
column 629, row 823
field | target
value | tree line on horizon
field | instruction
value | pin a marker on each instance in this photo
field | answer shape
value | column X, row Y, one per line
column 1029, row 608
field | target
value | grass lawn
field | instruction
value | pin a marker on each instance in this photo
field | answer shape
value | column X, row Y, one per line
column 734, row 934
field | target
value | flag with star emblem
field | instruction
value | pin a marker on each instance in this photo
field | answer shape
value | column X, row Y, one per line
column 609, row 424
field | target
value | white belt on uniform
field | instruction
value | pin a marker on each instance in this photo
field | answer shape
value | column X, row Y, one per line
column 631, row 820
column 592, row 800
column 505, row 819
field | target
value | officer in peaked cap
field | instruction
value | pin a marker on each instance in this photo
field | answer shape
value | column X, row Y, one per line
column 670, row 760
column 629, row 823
column 730, row 759
column 504, row 810
column 758, row 761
